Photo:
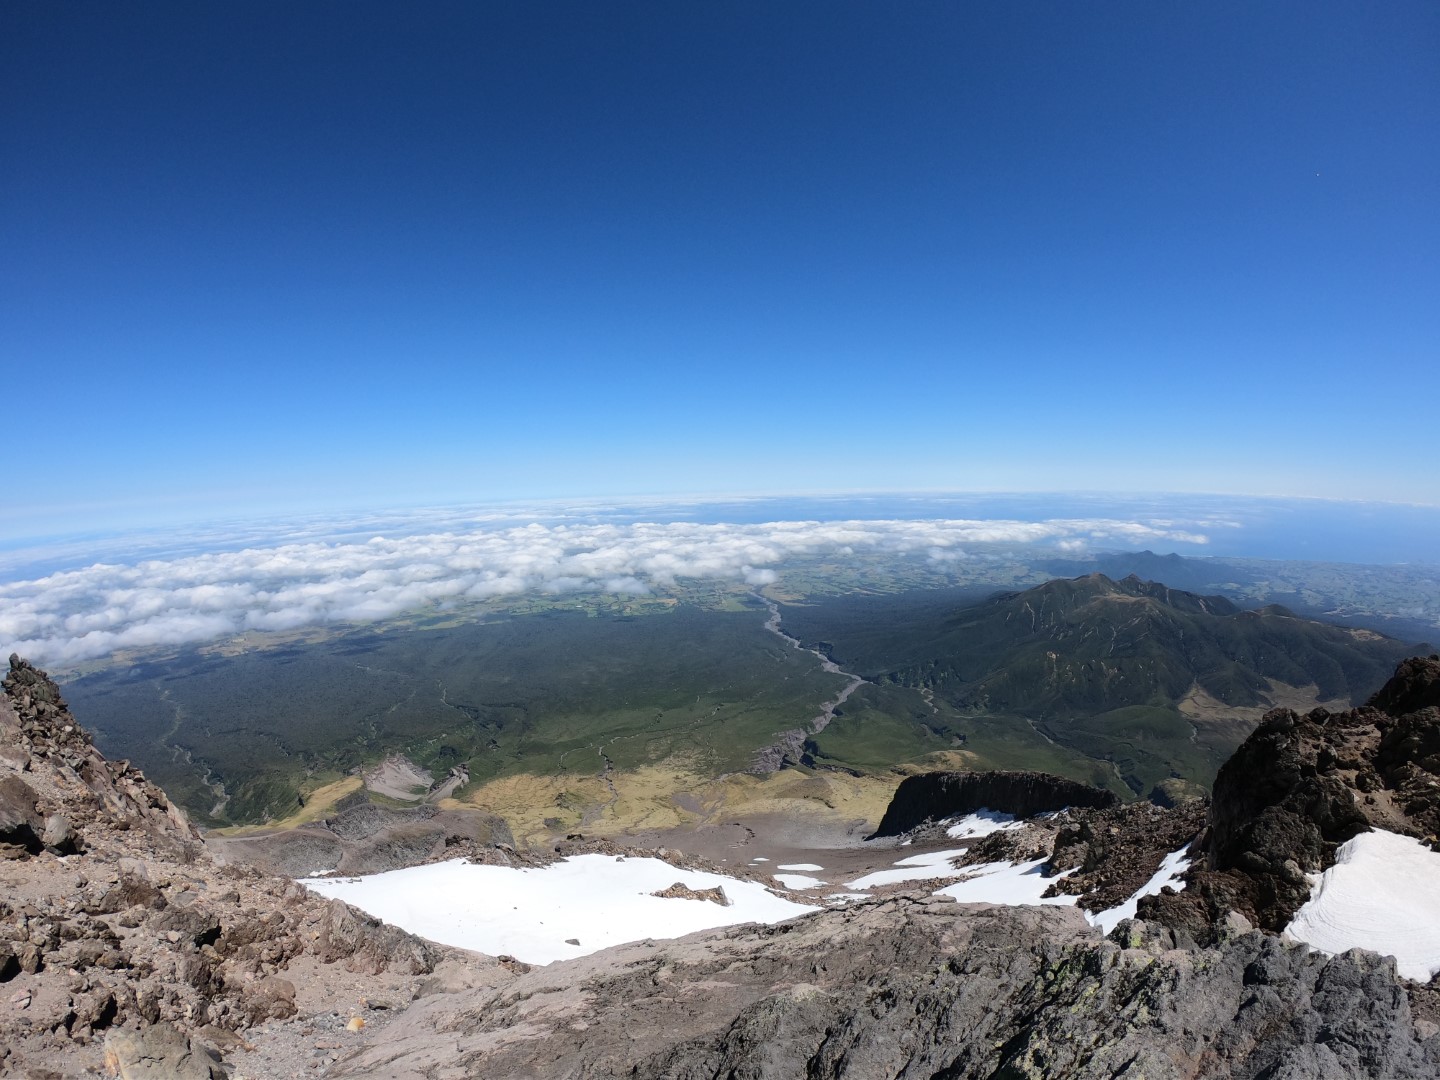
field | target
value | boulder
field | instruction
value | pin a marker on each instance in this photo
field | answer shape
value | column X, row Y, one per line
column 20, row 825
column 59, row 836
column 161, row 1052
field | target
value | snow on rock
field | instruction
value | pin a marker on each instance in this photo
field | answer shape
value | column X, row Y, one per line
column 1382, row 894
column 1004, row 883
column 982, row 822
column 600, row 900
column 932, row 864
column 798, row 881
column 1171, row 872
column 806, row 866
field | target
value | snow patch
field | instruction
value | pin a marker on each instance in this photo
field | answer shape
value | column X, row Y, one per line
column 1005, row 883
column 932, row 864
column 1382, row 894
column 807, row 866
column 982, row 822
column 1171, row 869
column 528, row 913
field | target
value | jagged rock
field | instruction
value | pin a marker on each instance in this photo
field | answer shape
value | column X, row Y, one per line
column 160, row 1052
column 138, row 924
column 270, row 998
column 1414, row 686
column 368, row 945
column 938, row 795
column 9, row 962
column 59, row 836
column 20, row 826
column 1111, row 853
column 682, row 891
column 134, row 889
column 1298, row 788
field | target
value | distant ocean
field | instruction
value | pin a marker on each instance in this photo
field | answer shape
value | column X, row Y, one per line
column 1312, row 529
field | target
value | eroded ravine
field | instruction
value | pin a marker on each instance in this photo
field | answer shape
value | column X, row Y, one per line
column 790, row 742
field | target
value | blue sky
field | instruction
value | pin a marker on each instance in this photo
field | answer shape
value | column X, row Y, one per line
column 270, row 257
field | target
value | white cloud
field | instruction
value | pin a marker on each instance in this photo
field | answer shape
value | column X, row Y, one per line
column 90, row 612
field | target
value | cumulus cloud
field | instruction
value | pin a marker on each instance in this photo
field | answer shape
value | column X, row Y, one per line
column 93, row 611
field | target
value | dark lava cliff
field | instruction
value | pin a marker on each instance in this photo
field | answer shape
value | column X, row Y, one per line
column 936, row 795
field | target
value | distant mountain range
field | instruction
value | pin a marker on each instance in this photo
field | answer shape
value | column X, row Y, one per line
column 1161, row 682
column 1075, row 647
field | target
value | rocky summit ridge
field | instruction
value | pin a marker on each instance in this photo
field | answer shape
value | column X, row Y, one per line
column 126, row 948
column 123, row 944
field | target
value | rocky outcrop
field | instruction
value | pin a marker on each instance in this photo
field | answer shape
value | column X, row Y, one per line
column 938, row 795
column 1301, row 786
column 20, row 826
column 1107, row 856
column 161, row 1052
column 114, row 921
column 923, row 988
column 1414, row 686
column 681, row 891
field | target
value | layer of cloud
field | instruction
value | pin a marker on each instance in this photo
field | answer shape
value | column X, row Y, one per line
column 94, row 611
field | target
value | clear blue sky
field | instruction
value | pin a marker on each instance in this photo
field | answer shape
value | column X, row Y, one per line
column 266, row 256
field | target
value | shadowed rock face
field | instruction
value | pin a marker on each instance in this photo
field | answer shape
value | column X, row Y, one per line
column 1301, row 786
column 938, row 795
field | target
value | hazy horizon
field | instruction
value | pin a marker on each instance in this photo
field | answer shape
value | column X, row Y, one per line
column 77, row 600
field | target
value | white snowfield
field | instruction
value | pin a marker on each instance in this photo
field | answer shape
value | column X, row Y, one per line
column 1382, row 894
column 982, row 822
column 599, row 900
column 604, row 900
column 808, row 867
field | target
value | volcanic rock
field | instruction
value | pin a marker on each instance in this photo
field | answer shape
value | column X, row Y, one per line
column 20, row 826
column 939, row 795
column 161, row 1052
column 921, row 987
column 1298, row 788
column 117, row 926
